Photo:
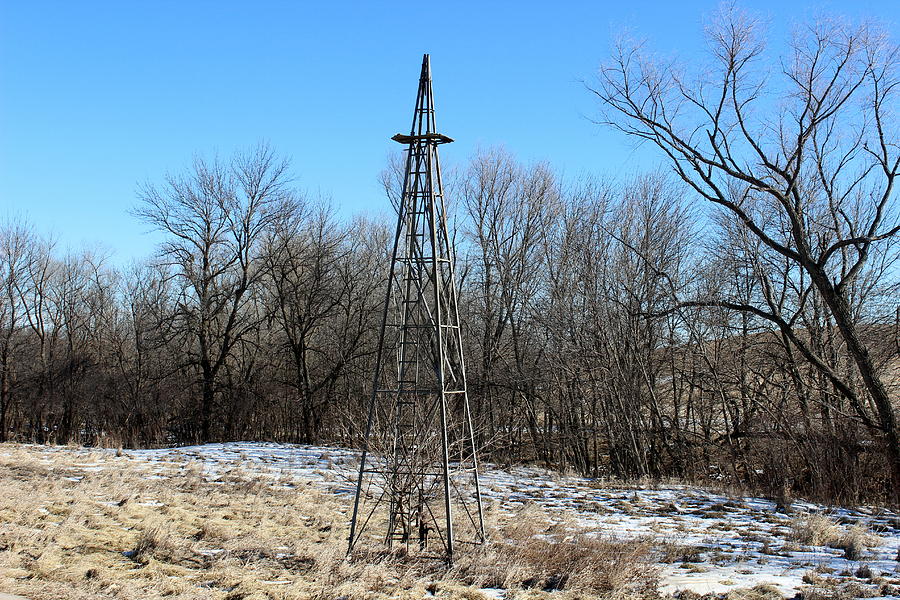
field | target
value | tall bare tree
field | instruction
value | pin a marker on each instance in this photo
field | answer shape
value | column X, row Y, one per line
column 15, row 241
column 803, row 153
column 215, row 217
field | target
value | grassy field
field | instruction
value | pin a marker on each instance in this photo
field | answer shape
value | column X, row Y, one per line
column 251, row 521
column 90, row 526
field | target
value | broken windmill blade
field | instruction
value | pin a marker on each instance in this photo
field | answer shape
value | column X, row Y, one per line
column 417, row 488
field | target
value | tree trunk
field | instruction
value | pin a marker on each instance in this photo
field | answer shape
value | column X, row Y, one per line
column 4, row 400
column 206, row 406
column 840, row 309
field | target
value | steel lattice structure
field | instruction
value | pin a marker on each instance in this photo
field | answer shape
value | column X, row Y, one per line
column 418, row 475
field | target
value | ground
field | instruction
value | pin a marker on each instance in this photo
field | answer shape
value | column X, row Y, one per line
column 249, row 521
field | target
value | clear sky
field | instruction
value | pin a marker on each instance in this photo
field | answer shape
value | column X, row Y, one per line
column 96, row 97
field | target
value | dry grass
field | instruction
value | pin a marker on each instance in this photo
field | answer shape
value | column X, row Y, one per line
column 759, row 592
column 70, row 533
column 819, row 530
column 830, row 588
column 814, row 530
column 532, row 551
column 855, row 541
column 116, row 534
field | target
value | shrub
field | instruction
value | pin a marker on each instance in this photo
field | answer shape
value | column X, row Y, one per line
column 151, row 539
column 864, row 572
column 814, row 530
column 855, row 541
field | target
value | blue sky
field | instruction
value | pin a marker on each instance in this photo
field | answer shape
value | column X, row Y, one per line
column 97, row 97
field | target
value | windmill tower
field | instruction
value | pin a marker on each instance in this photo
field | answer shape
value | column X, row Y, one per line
column 418, row 476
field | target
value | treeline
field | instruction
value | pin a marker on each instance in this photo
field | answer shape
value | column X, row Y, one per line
column 259, row 316
column 736, row 321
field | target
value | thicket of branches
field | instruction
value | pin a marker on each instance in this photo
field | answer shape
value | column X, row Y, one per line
column 736, row 321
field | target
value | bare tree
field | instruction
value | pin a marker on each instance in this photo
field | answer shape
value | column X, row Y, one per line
column 804, row 156
column 302, row 265
column 607, row 336
column 15, row 241
column 215, row 216
column 510, row 208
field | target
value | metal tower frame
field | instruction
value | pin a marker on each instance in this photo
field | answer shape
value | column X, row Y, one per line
column 418, row 473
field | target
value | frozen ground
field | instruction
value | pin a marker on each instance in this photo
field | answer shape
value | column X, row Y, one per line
column 728, row 542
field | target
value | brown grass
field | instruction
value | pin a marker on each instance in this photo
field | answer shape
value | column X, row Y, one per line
column 758, row 592
column 580, row 562
column 67, row 533
column 814, row 530
column 855, row 541
column 835, row 589
column 819, row 530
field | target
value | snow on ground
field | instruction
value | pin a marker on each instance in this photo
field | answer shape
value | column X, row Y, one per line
column 729, row 542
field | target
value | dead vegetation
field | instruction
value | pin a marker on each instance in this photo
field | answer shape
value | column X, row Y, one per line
column 819, row 530
column 534, row 551
column 833, row 588
column 102, row 527
column 814, row 530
